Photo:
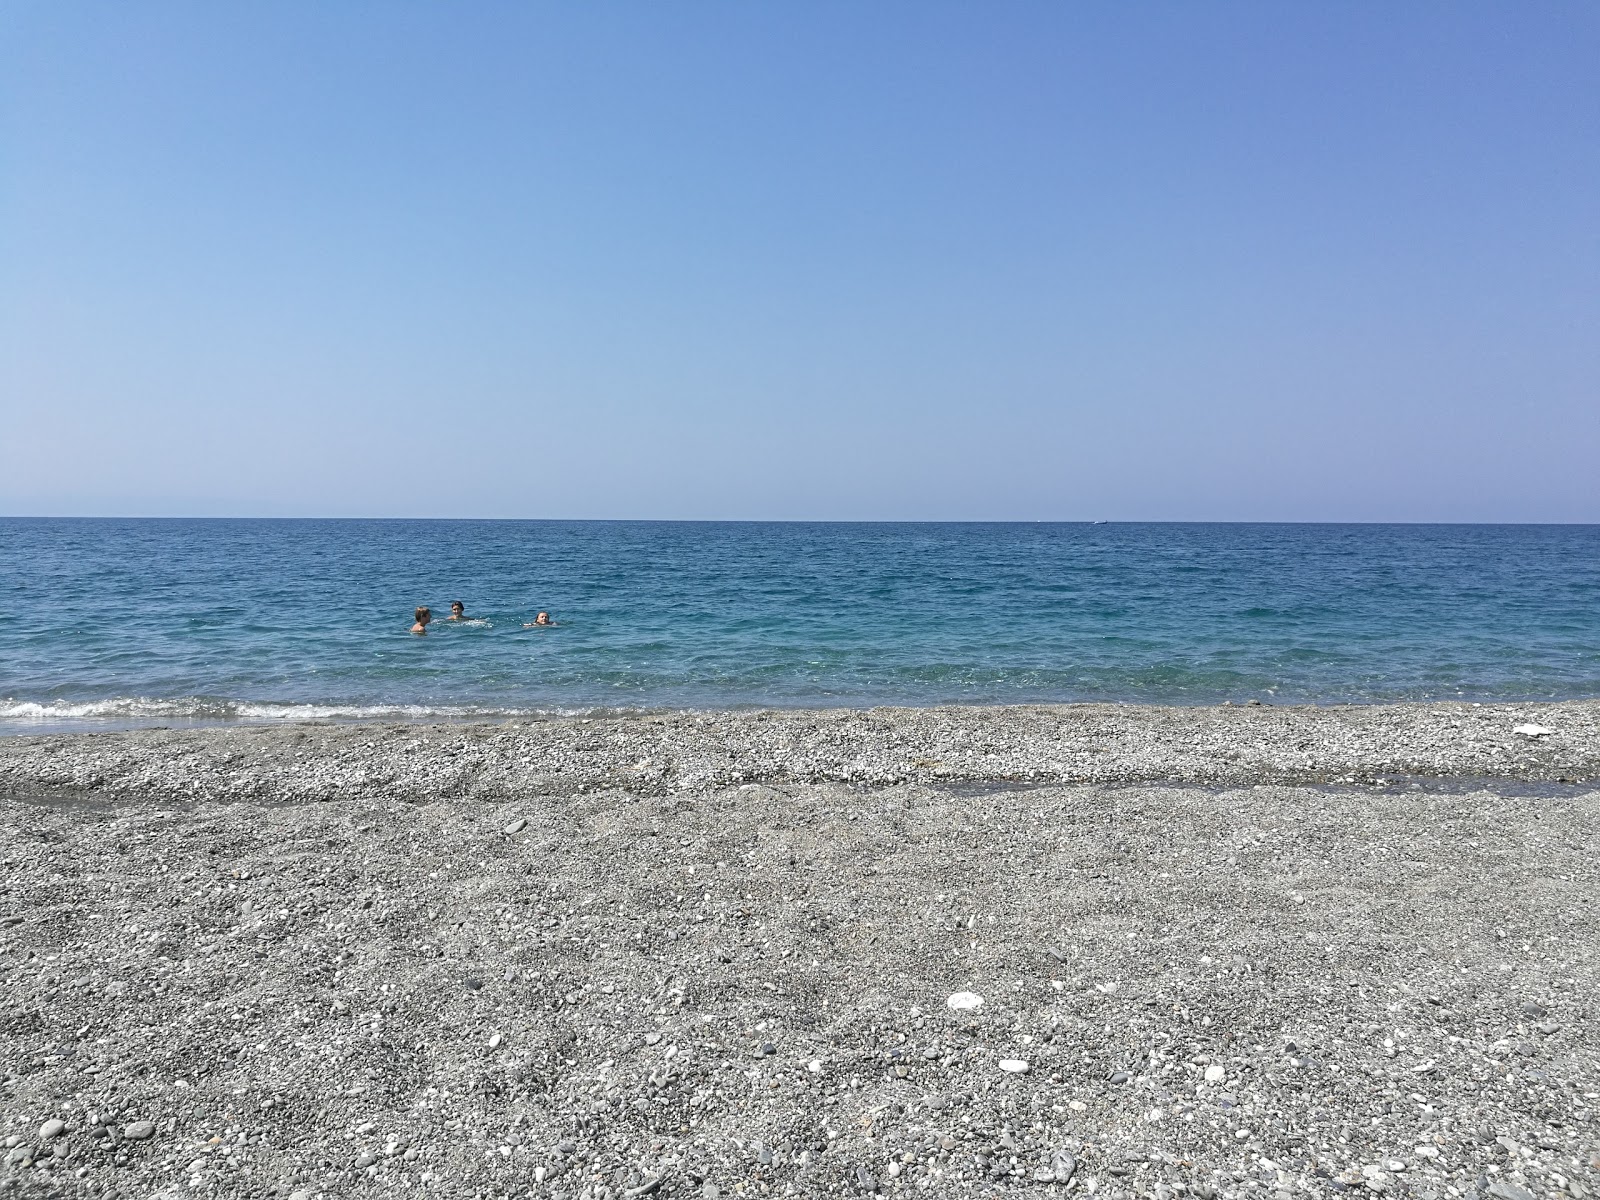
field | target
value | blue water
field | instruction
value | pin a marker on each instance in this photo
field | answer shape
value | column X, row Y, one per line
column 121, row 622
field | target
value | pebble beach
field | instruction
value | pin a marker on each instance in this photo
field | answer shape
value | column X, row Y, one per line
column 1033, row 951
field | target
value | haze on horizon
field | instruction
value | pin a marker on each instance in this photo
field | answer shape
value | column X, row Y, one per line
column 1234, row 261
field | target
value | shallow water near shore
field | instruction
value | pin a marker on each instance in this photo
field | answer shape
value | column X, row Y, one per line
column 121, row 623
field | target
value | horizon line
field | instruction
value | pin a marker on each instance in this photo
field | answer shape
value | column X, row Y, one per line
column 779, row 520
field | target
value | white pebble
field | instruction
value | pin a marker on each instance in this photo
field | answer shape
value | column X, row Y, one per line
column 494, row 1042
column 1013, row 1066
column 1215, row 1073
column 965, row 1001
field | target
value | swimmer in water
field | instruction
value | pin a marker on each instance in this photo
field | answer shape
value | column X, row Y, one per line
column 458, row 611
column 424, row 615
column 542, row 619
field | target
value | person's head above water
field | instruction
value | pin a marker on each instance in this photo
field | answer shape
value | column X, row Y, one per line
column 457, row 610
column 424, row 615
column 542, row 619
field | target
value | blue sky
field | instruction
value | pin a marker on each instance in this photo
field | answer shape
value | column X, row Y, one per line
column 727, row 260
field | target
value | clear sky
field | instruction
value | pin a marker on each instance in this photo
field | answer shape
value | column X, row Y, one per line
column 1014, row 260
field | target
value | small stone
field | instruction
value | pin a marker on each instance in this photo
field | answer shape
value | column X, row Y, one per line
column 51, row 1128
column 865, row 1181
column 1013, row 1066
column 1216, row 1073
column 965, row 1001
column 140, row 1131
column 473, row 985
column 1120, row 1077
column 1062, row 1165
column 1533, row 731
column 517, row 826
column 494, row 1042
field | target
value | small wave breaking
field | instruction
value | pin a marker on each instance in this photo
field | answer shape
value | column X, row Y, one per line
column 144, row 710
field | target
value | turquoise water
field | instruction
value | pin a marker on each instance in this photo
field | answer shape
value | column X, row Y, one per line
column 124, row 622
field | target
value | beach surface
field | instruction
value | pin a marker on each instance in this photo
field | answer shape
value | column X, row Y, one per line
column 1220, row 951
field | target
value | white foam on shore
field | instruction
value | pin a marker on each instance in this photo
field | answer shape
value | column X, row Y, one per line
column 145, row 709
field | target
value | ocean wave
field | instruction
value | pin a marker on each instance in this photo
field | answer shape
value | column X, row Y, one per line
column 205, row 709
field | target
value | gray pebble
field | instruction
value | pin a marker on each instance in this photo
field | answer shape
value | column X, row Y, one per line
column 1062, row 1165
column 139, row 1131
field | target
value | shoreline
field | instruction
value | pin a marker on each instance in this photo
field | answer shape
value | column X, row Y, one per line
column 660, row 752
column 1221, row 952
column 76, row 719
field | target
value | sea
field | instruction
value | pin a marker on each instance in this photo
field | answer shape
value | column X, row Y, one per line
column 115, row 623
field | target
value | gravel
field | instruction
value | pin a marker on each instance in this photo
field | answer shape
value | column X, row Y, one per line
column 714, row 954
